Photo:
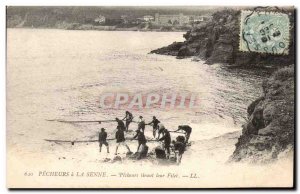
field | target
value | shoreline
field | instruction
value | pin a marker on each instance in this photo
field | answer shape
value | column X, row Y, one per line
column 112, row 30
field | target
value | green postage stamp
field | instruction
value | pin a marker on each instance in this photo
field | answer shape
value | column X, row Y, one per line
column 264, row 32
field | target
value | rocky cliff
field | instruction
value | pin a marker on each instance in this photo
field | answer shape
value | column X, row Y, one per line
column 217, row 41
column 269, row 131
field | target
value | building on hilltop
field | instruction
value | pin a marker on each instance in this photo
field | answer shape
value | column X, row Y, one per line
column 148, row 18
column 100, row 19
column 171, row 19
column 178, row 19
column 199, row 19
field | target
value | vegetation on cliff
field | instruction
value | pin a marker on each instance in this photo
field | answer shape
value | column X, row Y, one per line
column 269, row 131
column 217, row 41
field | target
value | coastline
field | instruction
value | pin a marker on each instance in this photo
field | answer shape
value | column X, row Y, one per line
column 210, row 166
column 95, row 29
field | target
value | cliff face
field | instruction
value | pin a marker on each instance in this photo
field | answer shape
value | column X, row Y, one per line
column 217, row 41
column 269, row 132
column 270, row 129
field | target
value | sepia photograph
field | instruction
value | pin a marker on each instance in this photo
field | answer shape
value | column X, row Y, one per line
column 150, row 97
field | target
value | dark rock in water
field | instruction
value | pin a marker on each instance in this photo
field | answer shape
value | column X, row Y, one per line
column 142, row 153
column 169, row 50
column 270, row 129
column 117, row 158
column 217, row 41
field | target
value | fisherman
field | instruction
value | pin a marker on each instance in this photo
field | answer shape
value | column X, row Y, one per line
column 160, row 129
column 154, row 123
column 128, row 119
column 167, row 141
column 180, row 138
column 121, row 124
column 142, row 124
column 120, row 137
column 102, row 139
column 179, row 148
column 141, row 138
column 187, row 129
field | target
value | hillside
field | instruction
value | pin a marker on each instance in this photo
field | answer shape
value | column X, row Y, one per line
column 269, row 131
column 217, row 41
column 71, row 17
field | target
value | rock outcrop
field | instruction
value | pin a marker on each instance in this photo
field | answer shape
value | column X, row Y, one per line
column 270, row 128
column 217, row 41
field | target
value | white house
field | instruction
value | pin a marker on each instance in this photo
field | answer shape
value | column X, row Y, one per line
column 100, row 19
column 148, row 18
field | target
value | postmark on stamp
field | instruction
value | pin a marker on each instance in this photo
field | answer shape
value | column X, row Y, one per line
column 264, row 32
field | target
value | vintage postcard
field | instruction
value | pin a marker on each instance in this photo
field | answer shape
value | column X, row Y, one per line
column 150, row 97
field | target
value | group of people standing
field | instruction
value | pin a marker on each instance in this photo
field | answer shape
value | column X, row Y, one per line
column 158, row 130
